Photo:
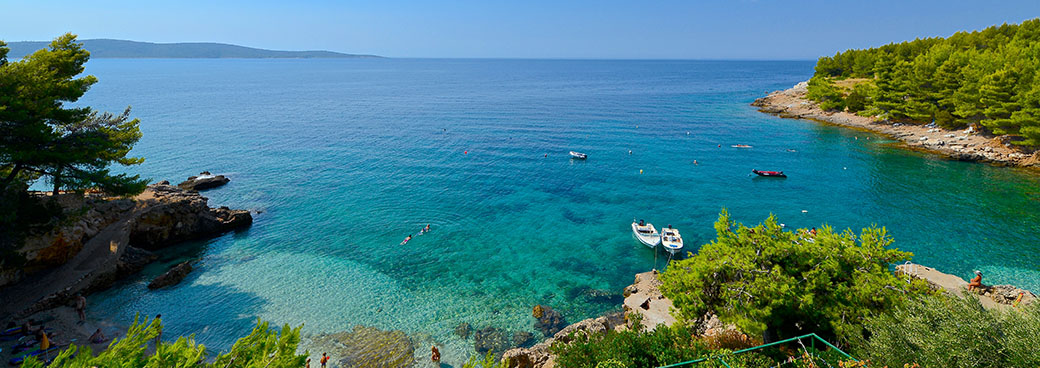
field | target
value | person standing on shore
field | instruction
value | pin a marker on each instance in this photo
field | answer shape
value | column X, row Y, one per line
column 435, row 355
column 324, row 359
column 45, row 343
column 81, row 307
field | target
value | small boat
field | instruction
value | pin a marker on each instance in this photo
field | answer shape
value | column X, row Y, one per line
column 774, row 174
column 646, row 233
column 671, row 240
column 740, row 146
column 579, row 155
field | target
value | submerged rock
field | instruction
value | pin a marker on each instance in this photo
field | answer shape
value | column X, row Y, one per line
column 172, row 277
column 522, row 338
column 490, row 339
column 365, row 347
column 205, row 180
column 462, row 330
column 547, row 320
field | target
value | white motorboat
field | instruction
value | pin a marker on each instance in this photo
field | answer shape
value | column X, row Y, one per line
column 671, row 240
column 646, row 233
column 579, row 155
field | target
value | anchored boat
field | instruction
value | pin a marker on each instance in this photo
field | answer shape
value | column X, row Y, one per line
column 646, row 233
column 671, row 240
column 775, row 174
column 579, row 155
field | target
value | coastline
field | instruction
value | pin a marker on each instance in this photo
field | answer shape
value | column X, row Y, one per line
column 962, row 145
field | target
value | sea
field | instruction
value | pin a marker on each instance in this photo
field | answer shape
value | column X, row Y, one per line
column 341, row 159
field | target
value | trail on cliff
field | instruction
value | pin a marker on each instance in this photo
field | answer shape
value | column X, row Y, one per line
column 98, row 258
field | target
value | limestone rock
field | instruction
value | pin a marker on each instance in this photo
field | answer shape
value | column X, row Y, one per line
column 522, row 338
column 172, row 277
column 365, row 347
column 204, row 181
column 547, row 320
column 177, row 215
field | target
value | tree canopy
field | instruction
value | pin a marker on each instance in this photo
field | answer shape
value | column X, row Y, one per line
column 987, row 78
column 41, row 135
column 782, row 284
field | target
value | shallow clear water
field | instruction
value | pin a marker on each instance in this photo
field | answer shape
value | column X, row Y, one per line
column 346, row 157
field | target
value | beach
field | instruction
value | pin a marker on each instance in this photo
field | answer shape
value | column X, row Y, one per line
column 964, row 144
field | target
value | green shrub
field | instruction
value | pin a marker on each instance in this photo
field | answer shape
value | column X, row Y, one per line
column 783, row 284
column 665, row 345
column 942, row 331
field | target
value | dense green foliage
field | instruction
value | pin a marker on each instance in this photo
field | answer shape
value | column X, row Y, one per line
column 632, row 349
column 676, row 344
column 987, row 77
column 264, row 347
column 783, row 284
column 942, row 331
column 41, row 136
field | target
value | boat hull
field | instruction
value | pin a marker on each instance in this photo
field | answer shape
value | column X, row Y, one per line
column 651, row 240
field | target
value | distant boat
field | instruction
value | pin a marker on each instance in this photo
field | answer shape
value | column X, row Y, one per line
column 646, row 233
column 671, row 240
column 740, row 146
column 774, row 174
column 579, row 155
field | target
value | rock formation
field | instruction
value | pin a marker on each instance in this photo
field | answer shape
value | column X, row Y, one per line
column 177, row 215
column 204, row 181
column 172, row 277
column 644, row 297
column 538, row 355
column 490, row 339
column 547, row 320
column 102, row 244
column 991, row 296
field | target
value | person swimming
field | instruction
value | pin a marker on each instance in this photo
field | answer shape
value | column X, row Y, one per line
column 406, row 239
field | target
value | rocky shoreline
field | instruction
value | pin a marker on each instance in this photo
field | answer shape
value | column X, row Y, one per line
column 104, row 240
column 964, row 145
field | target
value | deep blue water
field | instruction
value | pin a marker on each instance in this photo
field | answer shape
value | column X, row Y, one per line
column 346, row 157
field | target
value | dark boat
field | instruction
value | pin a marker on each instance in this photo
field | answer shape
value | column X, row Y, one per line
column 775, row 174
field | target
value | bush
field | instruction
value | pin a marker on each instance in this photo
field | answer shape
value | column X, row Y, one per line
column 781, row 284
column 942, row 331
column 664, row 345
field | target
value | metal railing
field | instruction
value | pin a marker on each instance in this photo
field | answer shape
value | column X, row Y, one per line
column 811, row 337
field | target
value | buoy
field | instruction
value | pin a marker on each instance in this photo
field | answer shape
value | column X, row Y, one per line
column 630, row 152
column 640, row 171
column 720, row 146
column 844, row 168
column 465, row 152
column 687, row 133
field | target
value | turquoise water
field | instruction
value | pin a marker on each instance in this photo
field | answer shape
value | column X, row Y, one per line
column 346, row 157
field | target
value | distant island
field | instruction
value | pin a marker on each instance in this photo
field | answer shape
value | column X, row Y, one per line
column 123, row 49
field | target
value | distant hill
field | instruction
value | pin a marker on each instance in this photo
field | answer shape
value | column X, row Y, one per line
column 106, row 48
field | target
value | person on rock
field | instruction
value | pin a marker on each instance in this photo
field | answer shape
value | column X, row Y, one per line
column 976, row 282
column 435, row 355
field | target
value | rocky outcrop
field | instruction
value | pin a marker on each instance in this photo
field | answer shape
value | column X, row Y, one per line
column 645, row 303
column 177, row 215
column 101, row 244
column 61, row 244
column 364, row 347
column 538, row 356
column 991, row 296
column 204, row 181
column 171, row 277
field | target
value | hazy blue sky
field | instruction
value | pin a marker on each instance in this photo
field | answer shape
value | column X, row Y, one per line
column 690, row 29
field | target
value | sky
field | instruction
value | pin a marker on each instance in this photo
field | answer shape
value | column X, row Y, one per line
column 596, row 29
